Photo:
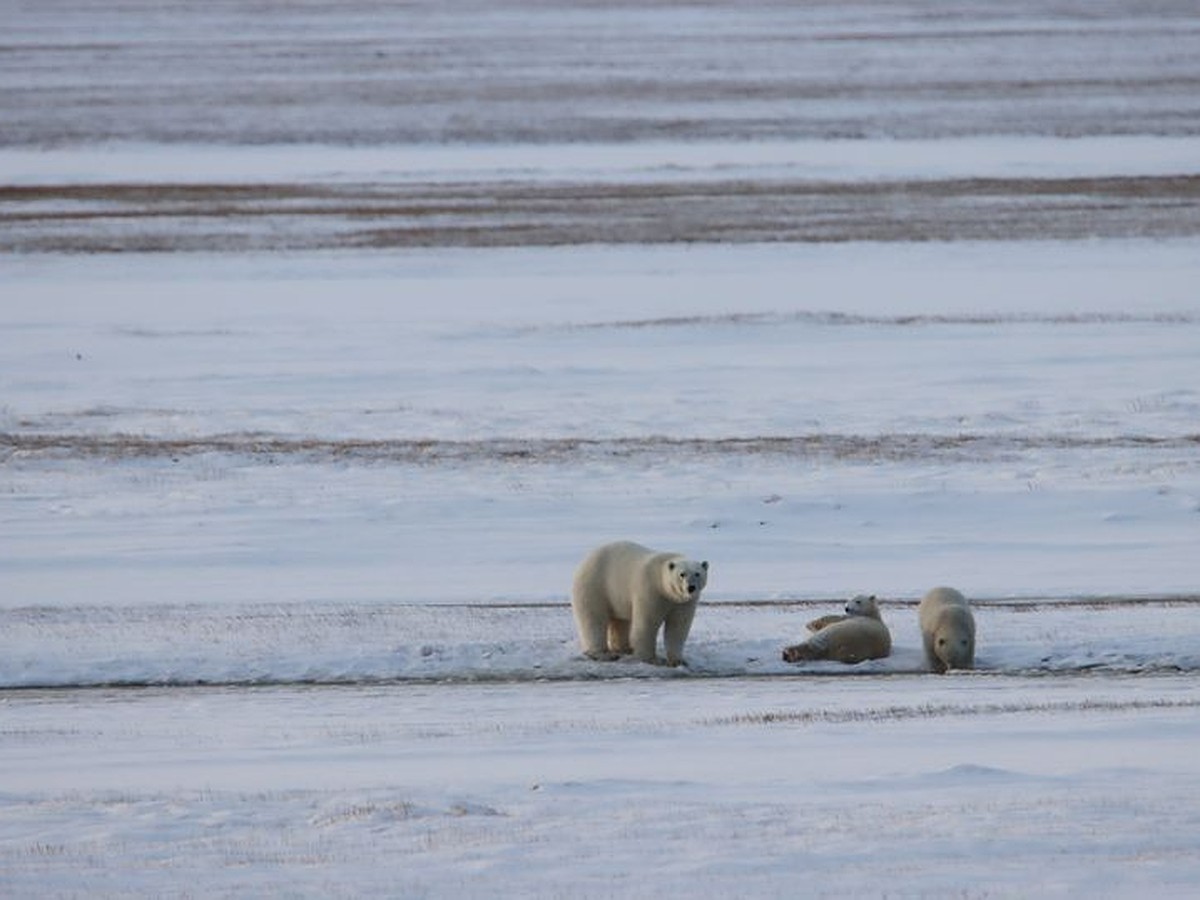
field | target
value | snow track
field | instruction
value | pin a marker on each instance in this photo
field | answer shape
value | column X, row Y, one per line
column 347, row 644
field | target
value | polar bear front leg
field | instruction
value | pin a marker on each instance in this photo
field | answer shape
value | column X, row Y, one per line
column 675, row 632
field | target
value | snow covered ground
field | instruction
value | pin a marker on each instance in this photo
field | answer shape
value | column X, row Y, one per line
column 534, row 72
column 307, row 415
column 1018, row 419
column 911, row 786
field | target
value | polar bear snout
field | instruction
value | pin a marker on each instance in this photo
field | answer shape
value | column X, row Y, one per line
column 863, row 605
column 689, row 579
column 689, row 588
column 956, row 653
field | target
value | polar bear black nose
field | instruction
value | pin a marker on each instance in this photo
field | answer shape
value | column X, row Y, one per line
column 691, row 589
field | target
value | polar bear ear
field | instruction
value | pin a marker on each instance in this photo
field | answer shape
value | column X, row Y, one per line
column 671, row 566
column 704, row 565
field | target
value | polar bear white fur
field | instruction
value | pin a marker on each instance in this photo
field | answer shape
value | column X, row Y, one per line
column 859, row 635
column 862, row 605
column 947, row 630
column 624, row 592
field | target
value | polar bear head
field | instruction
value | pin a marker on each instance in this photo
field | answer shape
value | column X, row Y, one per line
column 863, row 605
column 684, row 579
column 954, row 644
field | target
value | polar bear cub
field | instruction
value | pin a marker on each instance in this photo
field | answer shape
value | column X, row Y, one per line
column 859, row 635
column 624, row 592
column 947, row 630
column 862, row 605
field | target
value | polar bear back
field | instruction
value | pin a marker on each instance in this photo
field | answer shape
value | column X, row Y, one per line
column 851, row 640
column 612, row 575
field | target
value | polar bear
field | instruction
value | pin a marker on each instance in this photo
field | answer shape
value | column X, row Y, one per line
column 624, row 592
column 947, row 630
column 862, row 605
column 859, row 636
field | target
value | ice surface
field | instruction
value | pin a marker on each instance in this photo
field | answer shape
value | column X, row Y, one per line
column 332, row 336
column 993, row 156
column 348, row 494
column 1012, row 418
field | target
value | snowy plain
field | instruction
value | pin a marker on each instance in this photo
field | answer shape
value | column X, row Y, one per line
column 287, row 523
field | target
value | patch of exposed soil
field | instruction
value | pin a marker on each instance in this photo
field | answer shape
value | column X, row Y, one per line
column 209, row 217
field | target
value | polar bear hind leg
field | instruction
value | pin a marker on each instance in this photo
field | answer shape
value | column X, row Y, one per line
column 593, row 627
column 801, row 652
column 618, row 637
column 816, row 647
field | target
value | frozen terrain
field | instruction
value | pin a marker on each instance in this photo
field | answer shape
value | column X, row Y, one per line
column 362, row 72
column 332, row 336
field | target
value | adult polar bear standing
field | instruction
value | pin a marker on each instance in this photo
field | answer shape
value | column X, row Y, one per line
column 624, row 592
column 947, row 630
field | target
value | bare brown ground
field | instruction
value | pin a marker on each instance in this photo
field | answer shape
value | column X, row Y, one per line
column 560, row 450
column 357, row 73
column 188, row 217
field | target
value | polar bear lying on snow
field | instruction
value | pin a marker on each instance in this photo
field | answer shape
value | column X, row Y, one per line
column 862, row 605
column 624, row 592
column 859, row 635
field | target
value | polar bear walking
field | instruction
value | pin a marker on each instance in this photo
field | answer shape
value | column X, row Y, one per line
column 947, row 630
column 853, row 638
column 624, row 592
